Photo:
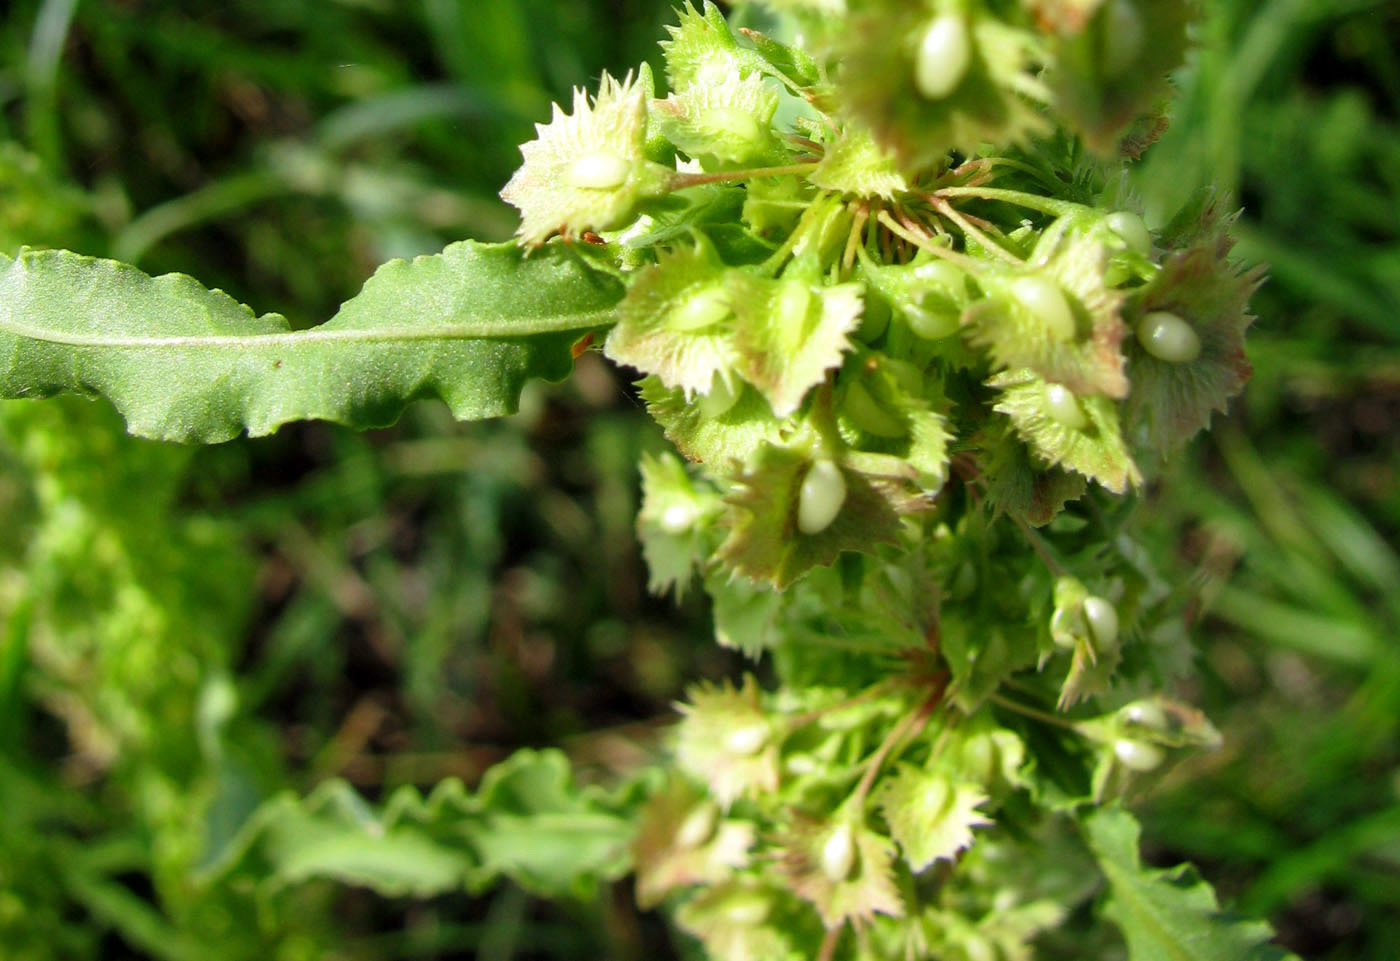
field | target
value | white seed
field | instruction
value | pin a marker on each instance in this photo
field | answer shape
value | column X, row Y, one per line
column 793, row 306
column 598, row 171
column 747, row 740
column 820, row 499
column 1064, row 408
column 1138, row 755
column 977, row 948
column 867, row 414
column 944, row 54
column 700, row 310
column 932, row 324
column 1145, row 714
column 1103, row 622
column 941, row 274
column 720, row 400
column 735, row 124
column 698, row 827
column 678, row 518
column 747, row 910
column 1045, row 300
column 1167, row 337
column 839, row 854
column 1131, row 229
column 1061, row 629
column 936, row 796
column 979, row 754
column 1123, row 35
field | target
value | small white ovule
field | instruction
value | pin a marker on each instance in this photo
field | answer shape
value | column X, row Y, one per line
column 721, row 398
column 1167, row 337
column 1063, row 407
column 943, row 57
column 598, row 171
column 698, row 826
column 1131, row 230
column 820, row 498
column 702, row 309
column 1138, row 755
column 1124, row 34
column 1045, row 300
column 1145, row 714
column 839, row 854
column 747, row 740
column 678, row 518
column 1103, row 622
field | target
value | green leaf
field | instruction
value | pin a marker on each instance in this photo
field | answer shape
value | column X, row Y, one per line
column 1020, row 487
column 929, row 816
column 789, row 63
column 855, row 164
column 726, row 739
column 470, row 325
column 683, row 841
column 692, row 323
column 864, row 888
column 1018, row 333
column 528, row 822
column 727, row 122
column 673, row 524
column 1096, row 449
column 587, row 170
column 1203, row 287
column 724, row 442
column 878, row 50
column 1110, row 72
column 702, row 49
column 764, row 542
column 747, row 617
column 1171, row 914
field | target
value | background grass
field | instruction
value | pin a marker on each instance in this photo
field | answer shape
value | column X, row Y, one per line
column 185, row 631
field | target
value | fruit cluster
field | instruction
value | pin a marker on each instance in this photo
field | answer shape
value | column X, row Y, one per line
column 893, row 303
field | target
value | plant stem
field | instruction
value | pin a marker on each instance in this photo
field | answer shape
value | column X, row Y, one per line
column 680, row 181
column 1031, row 712
column 972, row 230
column 1041, row 548
column 1046, row 205
column 910, row 726
column 802, row 720
column 848, row 258
column 926, row 243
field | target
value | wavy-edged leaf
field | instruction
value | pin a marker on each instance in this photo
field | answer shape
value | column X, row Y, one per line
column 930, row 817
column 725, row 442
column 180, row 362
column 528, row 821
column 764, row 542
column 1206, row 289
column 1167, row 915
column 1096, row 449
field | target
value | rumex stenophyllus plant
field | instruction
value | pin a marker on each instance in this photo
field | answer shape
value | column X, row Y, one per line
column 915, row 348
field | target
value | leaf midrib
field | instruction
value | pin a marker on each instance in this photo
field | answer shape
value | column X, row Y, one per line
column 482, row 330
column 1146, row 914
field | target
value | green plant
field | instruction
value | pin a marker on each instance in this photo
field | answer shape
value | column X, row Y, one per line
column 890, row 296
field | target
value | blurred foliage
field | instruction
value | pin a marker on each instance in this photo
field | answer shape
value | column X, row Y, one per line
column 1288, row 518
column 186, row 634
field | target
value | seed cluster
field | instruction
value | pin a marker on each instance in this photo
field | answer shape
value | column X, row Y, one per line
column 893, row 303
